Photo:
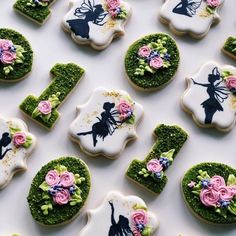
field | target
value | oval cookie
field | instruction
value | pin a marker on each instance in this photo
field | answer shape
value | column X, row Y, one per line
column 59, row 191
column 152, row 61
column 209, row 189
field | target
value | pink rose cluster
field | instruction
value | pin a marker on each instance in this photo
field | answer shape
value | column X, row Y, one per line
column 216, row 194
column 125, row 110
column 213, row 3
column 140, row 220
column 7, row 52
column 19, row 138
column 61, row 186
column 45, row 107
column 231, row 83
column 152, row 57
column 114, row 8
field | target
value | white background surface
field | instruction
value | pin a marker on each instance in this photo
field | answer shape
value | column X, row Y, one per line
column 52, row 45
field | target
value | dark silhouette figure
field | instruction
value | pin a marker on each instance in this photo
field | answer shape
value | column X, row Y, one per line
column 187, row 7
column 106, row 125
column 217, row 95
column 4, row 142
column 88, row 12
column 121, row 228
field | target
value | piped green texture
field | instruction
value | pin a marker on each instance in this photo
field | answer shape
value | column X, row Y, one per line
column 206, row 213
column 60, row 213
column 38, row 13
column 230, row 46
column 64, row 79
column 168, row 137
column 22, row 69
column 162, row 75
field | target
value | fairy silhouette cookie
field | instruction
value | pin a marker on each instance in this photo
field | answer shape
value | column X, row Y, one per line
column 16, row 144
column 193, row 17
column 211, row 96
column 121, row 215
column 106, row 122
column 96, row 22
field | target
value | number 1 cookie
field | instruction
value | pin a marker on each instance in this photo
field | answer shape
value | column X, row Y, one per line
column 193, row 17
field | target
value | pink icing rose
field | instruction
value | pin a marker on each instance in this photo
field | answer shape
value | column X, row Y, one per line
column 209, row 197
column 113, row 4
column 8, row 57
column 52, row 178
column 113, row 13
column 231, row 82
column 213, row 3
column 225, row 193
column 62, row 197
column 217, row 181
column 5, row 44
column 144, row 51
column 154, row 166
column 67, row 179
column 45, row 107
column 125, row 109
column 156, row 62
column 19, row 138
column 140, row 217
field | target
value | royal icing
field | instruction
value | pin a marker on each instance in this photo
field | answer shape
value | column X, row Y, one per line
column 106, row 122
column 96, row 22
column 121, row 215
column 193, row 17
column 16, row 144
column 211, row 96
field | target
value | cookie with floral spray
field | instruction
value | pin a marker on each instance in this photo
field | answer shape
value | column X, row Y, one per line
column 16, row 145
column 106, row 122
column 192, row 17
column 121, row 215
column 96, row 22
column 211, row 96
column 209, row 190
column 16, row 56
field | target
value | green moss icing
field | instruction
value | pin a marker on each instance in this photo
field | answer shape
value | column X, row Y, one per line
column 193, row 201
column 163, row 75
column 22, row 69
column 38, row 13
column 65, row 77
column 230, row 46
column 59, row 213
column 169, row 137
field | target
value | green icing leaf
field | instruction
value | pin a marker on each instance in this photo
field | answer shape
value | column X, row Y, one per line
column 232, row 207
column 168, row 155
column 13, row 130
column 44, row 186
column 28, row 142
column 60, row 169
column 78, row 179
column 210, row 10
column 226, row 73
column 203, row 175
column 139, row 206
column 45, row 208
column 231, row 180
column 54, row 99
column 131, row 120
column 147, row 231
column 144, row 172
column 222, row 212
column 36, row 113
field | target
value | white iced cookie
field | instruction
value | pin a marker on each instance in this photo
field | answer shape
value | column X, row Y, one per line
column 96, row 22
column 106, row 122
column 16, row 143
column 121, row 215
column 193, row 17
column 211, row 96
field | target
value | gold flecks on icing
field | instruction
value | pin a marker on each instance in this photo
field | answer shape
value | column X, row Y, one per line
column 233, row 102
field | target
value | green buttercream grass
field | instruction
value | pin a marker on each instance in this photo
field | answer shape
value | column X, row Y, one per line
column 162, row 75
column 23, row 65
column 230, row 46
column 193, row 201
column 59, row 213
column 169, row 138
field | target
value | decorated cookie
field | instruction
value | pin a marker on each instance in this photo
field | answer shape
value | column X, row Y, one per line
column 229, row 47
column 211, row 96
column 152, row 61
column 96, row 22
column 36, row 10
column 106, row 122
column 209, row 190
column 16, row 144
column 44, row 108
column 16, row 56
column 59, row 191
column 193, row 17
column 121, row 215
column 150, row 173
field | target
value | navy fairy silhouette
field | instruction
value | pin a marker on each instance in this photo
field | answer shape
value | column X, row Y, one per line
column 217, row 94
column 106, row 125
column 4, row 142
column 187, row 7
column 121, row 228
column 88, row 12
